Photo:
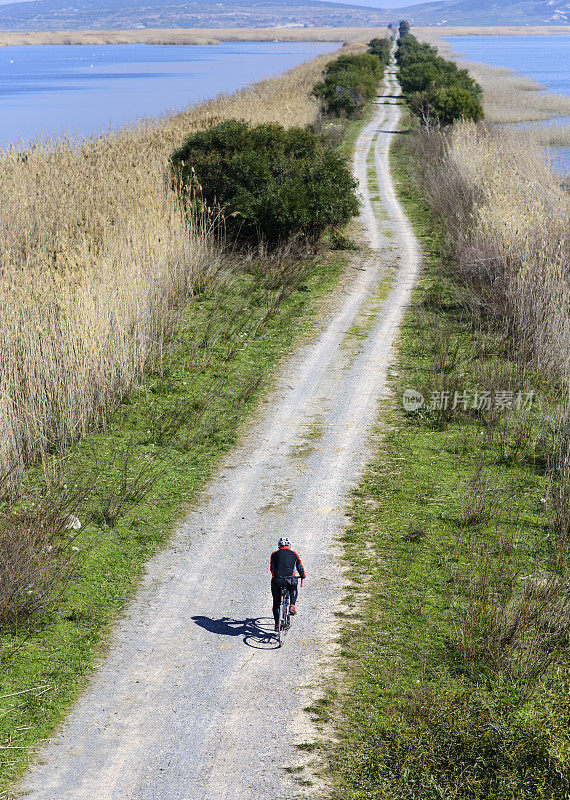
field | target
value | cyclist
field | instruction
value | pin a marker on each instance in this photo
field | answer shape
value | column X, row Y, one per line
column 283, row 564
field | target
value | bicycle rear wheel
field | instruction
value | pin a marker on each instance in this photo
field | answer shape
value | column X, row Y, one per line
column 283, row 619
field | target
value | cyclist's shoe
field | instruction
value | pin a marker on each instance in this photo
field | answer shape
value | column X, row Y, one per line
column 292, row 610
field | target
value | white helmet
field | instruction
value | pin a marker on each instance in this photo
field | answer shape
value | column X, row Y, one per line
column 284, row 542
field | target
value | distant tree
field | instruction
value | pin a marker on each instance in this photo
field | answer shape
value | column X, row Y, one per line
column 380, row 48
column 403, row 28
column 348, row 82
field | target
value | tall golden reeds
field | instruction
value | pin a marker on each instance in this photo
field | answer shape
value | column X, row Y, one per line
column 508, row 217
column 95, row 252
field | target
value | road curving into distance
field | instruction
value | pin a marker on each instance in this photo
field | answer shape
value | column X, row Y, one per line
column 193, row 700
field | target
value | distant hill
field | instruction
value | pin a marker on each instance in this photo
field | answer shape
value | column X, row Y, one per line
column 44, row 15
column 488, row 12
column 50, row 15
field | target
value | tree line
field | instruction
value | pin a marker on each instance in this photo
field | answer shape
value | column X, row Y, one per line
column 438, row 92
column 349, row 82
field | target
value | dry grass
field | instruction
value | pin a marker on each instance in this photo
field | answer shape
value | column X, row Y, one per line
column 216, row 35
column 509, row 221
column 36, row 554
column 193, row 36
column 512, row 623
column 514, row 98
column 96, row 252
column 433, row 35
column 546, row 135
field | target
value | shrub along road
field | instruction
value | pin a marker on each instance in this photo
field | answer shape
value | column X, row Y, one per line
column 194, row 700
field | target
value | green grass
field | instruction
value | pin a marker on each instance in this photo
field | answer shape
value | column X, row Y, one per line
column 449, row 519
column 351, row 131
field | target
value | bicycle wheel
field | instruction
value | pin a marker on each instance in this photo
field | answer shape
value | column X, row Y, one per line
column 283, row 619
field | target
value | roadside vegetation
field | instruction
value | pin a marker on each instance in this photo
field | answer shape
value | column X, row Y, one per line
column 456, row 631
column 97, row 253
column 149, row 296
column 437, row 91
column 507, row 97
column 350, row 81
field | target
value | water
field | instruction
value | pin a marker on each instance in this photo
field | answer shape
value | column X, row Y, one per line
column 85, row 89
column 545, row 59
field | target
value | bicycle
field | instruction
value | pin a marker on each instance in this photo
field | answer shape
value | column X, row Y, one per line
column 284, row 616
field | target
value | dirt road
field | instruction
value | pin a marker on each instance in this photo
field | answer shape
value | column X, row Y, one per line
column 194, row 701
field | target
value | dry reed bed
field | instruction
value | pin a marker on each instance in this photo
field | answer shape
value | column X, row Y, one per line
column 557, row 135
column 215, row 35
column 189, row 36
column 515, row 98
column 433, row 35
column 509, row 218
column 95, row 252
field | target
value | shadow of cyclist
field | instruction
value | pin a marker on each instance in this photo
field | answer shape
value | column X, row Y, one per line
column 257, row 633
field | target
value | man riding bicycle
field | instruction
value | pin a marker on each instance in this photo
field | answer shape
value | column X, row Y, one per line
column 283, row 564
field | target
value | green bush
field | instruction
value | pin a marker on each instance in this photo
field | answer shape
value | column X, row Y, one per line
column 348, row 82
column 430, row 74
column 381, row 49
column 437, row 91
column 272, row 184
column 410, row 50
column 452, row 102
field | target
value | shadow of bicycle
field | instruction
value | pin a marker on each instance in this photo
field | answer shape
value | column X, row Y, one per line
column 257, row 633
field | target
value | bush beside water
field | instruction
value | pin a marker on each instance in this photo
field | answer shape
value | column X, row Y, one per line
column 437, row 91
column 272, row 184
column 350, row 81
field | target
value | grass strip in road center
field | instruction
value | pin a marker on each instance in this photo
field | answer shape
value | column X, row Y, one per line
column 454, row 659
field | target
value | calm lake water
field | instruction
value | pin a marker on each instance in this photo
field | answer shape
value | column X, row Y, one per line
column 545, row 59
column 84, row 89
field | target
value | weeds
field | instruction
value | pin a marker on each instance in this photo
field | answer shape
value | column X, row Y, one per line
column 508, row 227
column 36, row 556
column 131, row 486
column 559, row 473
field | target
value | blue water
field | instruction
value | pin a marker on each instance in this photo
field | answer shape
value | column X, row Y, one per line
column 545, row 59
column 84, row 89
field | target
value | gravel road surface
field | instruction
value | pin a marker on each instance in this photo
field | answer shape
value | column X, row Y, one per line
column 194, row 700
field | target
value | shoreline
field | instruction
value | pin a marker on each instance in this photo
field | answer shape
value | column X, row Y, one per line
column 211, row 36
